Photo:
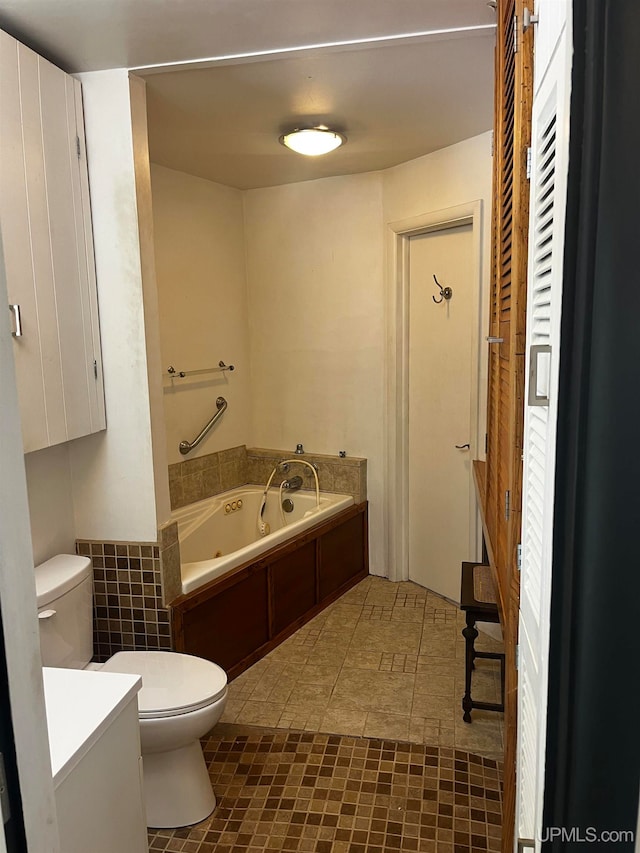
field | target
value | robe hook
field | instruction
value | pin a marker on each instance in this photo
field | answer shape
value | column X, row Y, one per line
column 445, row 292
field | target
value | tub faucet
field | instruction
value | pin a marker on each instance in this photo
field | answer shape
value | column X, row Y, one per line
column 293, row 484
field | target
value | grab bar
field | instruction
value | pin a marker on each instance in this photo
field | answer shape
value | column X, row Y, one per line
column 186, row 446
column 180, row 374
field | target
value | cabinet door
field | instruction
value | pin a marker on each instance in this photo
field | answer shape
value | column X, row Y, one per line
column 61, row 148
column 45, row 222
column 23, row 216
column 87, row 268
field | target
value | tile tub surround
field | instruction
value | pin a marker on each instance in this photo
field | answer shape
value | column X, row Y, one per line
column 129, row 614
column 345, row 476
column 205, row 476
column 286, row 791
column 385, row 660
column 171, row 576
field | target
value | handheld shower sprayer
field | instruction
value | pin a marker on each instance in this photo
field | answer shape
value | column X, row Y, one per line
column 263, row 526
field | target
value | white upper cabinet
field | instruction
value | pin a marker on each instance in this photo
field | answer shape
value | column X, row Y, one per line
column 45, row 225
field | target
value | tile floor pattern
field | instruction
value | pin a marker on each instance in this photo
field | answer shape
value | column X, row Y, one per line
column 290, row 791
column 385, row 661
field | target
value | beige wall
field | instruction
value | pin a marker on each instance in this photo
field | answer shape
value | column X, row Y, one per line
column 142, row 170
column 316, row 315
column 200, row 266
column 50, row 502
column 451, row 176
column 112, row 471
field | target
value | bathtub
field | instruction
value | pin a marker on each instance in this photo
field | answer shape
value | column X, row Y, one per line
column 220, row 533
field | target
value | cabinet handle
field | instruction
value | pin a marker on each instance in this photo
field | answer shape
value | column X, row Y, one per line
column 17, row 321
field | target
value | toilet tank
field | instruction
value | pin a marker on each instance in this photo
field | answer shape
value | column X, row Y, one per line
column 65, row 611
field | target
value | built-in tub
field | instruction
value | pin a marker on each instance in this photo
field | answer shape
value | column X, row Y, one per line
column 220, row 533
column 237, row 607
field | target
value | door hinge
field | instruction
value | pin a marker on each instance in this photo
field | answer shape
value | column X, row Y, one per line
column 4, row 793
column 515, row 33
column 95, row 368
column 78, row 149
column 492, row 136
column 518, row 656
column 528, row 19
column 507, row 505
column 519, row 556
column 486, row 442
column 529, row 164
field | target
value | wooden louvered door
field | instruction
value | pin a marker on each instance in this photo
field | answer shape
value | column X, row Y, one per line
column 508, row 296
column 501, row 486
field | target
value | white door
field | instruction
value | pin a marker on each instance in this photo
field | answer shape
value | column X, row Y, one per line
column 440, row 393
column 550, row 144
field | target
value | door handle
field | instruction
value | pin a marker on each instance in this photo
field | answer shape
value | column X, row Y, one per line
column 17, row 321
column 539, row 375
column 463, row 446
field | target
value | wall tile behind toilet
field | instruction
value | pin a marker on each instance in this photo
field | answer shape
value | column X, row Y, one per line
column 127, row 594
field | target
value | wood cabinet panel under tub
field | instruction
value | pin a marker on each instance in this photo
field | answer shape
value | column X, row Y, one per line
column 342, row 552
column 237, row 619
column 293, row 586
column 230, row 624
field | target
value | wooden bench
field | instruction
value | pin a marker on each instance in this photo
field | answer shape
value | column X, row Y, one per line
column 478, row 601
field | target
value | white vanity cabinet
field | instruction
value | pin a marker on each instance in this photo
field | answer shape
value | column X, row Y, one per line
column 47, row 242
column 94, row 744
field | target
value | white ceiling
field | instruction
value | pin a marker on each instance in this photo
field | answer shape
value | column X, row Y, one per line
column 394, row 102
column 87, row 35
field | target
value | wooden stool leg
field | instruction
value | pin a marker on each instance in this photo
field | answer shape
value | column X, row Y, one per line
column 469, row 633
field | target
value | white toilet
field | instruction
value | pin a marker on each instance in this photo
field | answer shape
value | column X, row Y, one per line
column 181, row 699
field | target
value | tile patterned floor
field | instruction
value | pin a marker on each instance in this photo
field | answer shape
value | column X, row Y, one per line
column 384, row 661
column 290, row 791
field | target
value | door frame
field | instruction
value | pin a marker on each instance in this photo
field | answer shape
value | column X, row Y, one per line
column 397, row 460
column 19, row 623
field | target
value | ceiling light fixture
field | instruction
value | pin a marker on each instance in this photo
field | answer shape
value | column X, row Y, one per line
column 313, row 141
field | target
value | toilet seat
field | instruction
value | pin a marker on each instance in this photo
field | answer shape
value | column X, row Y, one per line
column 172, row 683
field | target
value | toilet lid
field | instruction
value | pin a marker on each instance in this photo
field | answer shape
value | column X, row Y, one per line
column 172, row 683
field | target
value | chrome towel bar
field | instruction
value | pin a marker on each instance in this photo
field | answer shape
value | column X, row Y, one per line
column 186, row 446
column 180, row 374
